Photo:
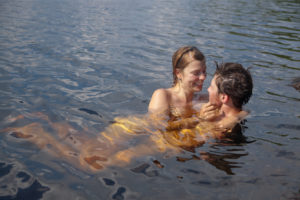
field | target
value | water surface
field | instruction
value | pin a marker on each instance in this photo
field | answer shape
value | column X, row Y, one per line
column 87, row 62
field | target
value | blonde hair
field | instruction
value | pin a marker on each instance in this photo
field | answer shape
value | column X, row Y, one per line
column 182, row 57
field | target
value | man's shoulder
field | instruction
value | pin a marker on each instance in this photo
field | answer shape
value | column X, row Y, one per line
column 243, row 114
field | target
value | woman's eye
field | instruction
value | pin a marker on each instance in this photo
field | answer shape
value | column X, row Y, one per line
column 199, row 73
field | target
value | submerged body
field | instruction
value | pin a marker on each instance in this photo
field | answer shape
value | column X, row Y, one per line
column 125, row 139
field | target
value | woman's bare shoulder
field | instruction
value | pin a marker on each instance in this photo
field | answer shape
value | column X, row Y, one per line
column 159, row 100
column 160, row 94
column 161, row 91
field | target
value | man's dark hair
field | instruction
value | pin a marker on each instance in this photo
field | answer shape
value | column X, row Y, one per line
column 235, row 81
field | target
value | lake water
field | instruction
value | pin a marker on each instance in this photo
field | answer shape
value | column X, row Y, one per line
column 85, row 62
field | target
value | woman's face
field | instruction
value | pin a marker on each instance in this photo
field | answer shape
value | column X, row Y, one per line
column 193, row 76
column 214, row 96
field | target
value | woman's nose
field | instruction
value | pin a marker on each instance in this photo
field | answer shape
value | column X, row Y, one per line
column 202, row 76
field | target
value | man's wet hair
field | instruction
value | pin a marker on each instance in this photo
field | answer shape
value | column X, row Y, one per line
column 235, row 81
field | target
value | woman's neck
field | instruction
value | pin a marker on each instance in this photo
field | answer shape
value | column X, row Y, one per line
column 185, row 96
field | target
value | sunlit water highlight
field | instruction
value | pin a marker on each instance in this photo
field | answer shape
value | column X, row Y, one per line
column 83, row 63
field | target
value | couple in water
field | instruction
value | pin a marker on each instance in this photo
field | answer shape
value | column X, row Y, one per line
column 230, row 88
column 177, row 120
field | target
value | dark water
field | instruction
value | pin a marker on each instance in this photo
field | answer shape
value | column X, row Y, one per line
column 86, row 62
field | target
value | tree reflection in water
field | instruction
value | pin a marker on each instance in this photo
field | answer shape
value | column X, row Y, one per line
column 223, row 151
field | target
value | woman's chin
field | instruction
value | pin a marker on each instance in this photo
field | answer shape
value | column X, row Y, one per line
column 198, row 88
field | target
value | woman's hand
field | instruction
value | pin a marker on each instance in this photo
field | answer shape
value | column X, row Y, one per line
column 209, row 112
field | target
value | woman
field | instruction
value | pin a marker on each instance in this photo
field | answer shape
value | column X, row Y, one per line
column 189, row 73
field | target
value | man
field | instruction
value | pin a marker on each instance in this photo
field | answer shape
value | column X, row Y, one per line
column 230, row 89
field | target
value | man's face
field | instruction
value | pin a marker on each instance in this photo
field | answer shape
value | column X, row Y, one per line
column 214, row 96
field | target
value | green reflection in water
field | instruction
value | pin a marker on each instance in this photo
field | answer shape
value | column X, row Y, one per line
column 280, row 95
column 274, row 100
column 285, row 66
column 266, row 140
column 280, row 56
column 278, row 134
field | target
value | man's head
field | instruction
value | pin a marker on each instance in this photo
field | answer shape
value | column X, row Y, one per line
column 233, row 81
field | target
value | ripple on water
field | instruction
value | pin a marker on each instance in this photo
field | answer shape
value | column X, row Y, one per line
column 15, row 183
column 81, row 61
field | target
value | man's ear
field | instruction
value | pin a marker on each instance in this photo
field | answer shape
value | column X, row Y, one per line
column 224, row 98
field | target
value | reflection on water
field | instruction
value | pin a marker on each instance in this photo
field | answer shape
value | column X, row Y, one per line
column 296, row 83
column 120, row 142
column 18, row 184
column 84, row 63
